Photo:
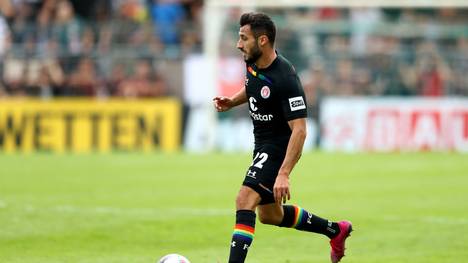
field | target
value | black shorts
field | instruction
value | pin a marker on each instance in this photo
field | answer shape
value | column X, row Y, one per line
column 261, row 175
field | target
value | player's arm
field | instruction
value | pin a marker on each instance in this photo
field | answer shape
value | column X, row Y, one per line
column 226, row 103
column 293, row 153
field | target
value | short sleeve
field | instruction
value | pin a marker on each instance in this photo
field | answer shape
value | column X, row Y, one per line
column 293, row 101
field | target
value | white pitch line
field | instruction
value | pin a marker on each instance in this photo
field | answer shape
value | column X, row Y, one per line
column 443, row 220
column 147, row 212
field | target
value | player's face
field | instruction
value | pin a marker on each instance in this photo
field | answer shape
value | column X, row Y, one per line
column 248, row 44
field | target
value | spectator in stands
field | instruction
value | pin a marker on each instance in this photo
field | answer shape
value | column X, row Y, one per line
column 20, row 23
column 387, row 77
column 66, row 27
column 432, row 72
column 144, row 82
column 52, row 78
column 134, row 10
column 87, row 42
column 6, row 11
column 40, row 84
column 116, row 77
column 460, row 68
column 13, row 72
column 343, row 84
column 407, row 81
column 362, row 80
column 167, row 16
column 43, row 30
column 363, row 21
column 317, row 85
column 84, row 81
column 34, row 32
column 104, row 39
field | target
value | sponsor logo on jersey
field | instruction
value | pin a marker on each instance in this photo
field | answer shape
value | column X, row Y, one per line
column 261, row 117
column 252, row 106
column 297, row 103
column 257, row 116
column 265, row 92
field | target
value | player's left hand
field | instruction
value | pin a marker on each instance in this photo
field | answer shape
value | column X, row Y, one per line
column 281, row 188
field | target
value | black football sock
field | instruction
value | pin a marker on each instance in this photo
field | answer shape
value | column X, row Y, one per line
column 300, row 219
column 242, row 236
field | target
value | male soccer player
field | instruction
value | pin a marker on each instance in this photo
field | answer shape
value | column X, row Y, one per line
column 278, row 110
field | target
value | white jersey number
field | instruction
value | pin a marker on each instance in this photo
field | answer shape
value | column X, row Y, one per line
column 262, row 158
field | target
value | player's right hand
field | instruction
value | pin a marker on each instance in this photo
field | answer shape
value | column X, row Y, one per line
column 281, row 190
column 222, row 103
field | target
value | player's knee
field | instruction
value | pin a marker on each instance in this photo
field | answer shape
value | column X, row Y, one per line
column 244, row 203
column 247, row 199
column 239, row 201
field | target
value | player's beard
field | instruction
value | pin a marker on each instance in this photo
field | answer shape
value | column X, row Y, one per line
column 255, row 54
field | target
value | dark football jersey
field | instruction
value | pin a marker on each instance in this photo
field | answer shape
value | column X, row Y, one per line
column 275, row 96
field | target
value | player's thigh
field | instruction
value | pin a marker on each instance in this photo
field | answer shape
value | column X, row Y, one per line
column 261, row 175
column 247, row 199
column 270, row 213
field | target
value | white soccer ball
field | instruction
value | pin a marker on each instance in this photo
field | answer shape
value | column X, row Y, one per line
column 173, row 258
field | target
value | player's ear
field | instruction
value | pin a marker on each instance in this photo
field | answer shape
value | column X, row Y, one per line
column 262, row 40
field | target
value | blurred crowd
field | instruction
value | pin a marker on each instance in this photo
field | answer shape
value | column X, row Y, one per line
column 381, row 52
column 123, row 48
column 94, row 47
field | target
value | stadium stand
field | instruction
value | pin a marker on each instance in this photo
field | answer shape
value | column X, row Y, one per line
column 133, row 47
column 94, row 48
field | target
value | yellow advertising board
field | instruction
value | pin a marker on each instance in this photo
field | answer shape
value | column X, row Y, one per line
column 89, row 125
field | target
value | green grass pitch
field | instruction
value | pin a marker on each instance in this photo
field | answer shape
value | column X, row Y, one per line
column 135, row 208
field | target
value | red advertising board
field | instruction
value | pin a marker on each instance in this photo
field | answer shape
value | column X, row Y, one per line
column 371, row 124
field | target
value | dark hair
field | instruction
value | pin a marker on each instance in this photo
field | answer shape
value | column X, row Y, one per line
column 260, row 24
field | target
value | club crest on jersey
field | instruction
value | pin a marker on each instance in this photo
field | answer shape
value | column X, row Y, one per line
column 265, row 92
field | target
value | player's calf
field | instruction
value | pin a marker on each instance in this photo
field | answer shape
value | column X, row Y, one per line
column 243, row 235
column 298, row 218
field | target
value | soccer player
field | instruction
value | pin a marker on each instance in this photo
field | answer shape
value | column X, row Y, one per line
column 278, row 110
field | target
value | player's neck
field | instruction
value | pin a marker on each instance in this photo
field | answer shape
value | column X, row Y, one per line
column 266, row 60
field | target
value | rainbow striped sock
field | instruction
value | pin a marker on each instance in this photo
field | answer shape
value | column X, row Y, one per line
column 243, row 235
column 244, row 232
column 300, row 215
column 298, row 218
